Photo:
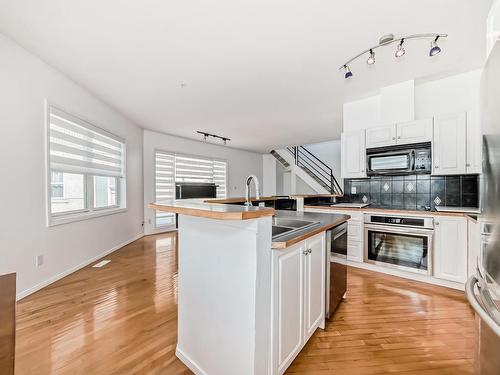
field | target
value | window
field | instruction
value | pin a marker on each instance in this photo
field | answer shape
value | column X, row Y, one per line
column 86, row 168
column 171, row 168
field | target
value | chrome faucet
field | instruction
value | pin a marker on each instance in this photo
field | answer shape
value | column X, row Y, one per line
column 253, row 177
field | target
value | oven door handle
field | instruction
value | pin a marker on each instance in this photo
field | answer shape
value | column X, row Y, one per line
column 406, row 230
column 340, row 234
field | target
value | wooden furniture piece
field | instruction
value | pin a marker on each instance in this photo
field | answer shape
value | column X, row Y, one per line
column 7, row 323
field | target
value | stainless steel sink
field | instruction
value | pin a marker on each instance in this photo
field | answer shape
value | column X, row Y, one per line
column 280, row 230
column 284, row 226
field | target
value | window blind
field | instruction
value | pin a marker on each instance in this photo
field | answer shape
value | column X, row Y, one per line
column 199, row 169
column 164, row 184
column 76, row 146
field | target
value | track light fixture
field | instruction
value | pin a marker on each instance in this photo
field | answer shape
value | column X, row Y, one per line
column 400, row 50
column 207, row 135
column 371, row 58
column 348, row 72
column 435, row 49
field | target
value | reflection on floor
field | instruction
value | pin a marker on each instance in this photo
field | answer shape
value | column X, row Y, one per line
column 122, row 319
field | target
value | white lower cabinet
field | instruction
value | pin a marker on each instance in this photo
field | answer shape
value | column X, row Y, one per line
column 450, row 248
column 298, row 298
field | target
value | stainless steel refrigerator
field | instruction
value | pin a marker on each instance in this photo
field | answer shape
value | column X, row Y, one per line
column 483, row 289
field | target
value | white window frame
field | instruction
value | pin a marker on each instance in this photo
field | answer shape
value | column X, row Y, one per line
column 90, row 211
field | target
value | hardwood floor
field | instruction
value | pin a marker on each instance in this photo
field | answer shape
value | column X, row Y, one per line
column 122, row 319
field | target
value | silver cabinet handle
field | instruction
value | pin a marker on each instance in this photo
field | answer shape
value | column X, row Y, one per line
column 305, row 252
column 399, row 137
column 393, row 138
column 437, row 223
column 467, row 165
column 309, row 251
column 436, row 166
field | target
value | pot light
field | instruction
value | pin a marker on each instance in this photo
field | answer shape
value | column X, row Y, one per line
column 371, row 59
column 435, row 49
column 348, row 72
column 400, row 50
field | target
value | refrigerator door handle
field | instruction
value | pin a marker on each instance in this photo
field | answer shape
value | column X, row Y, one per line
column 473, row 300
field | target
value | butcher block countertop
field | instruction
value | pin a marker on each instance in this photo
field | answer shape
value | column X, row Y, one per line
column 200, row 208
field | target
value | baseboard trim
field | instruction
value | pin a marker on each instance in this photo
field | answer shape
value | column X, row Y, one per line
column 192, row 365
column 408, row 275
column 59, row 276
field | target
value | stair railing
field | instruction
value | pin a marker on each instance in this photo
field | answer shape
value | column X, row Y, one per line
column 316, row 168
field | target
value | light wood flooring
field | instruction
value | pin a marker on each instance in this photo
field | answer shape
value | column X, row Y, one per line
column 122, row 319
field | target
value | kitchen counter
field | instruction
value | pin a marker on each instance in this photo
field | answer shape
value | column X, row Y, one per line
column 390, row 211
column 326, row 222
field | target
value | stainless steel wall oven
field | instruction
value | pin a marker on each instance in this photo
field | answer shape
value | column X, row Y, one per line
column 399, row 242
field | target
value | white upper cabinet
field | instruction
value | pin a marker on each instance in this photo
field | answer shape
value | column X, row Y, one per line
column 414, row 131
column 474, row 145
column 353, row 154
column 449, row 146
column 450, row 249
column 381, row 136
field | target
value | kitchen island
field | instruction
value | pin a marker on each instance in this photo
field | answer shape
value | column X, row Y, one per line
column 247, row 302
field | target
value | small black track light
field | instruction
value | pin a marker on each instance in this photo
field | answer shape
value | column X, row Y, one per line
column 400, row 50
column 348, row 72
column 371, row 58
column 435, row 49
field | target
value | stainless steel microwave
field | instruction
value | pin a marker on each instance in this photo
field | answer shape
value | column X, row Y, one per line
column 399, row 160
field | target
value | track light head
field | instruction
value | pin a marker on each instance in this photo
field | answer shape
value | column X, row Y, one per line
column 400, row 50
column 371, row 58
column 435, row 49
column 348, row 72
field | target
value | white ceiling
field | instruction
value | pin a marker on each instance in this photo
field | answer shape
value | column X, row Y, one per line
column 262, row 72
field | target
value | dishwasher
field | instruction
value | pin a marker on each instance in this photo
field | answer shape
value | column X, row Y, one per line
column 336, row 268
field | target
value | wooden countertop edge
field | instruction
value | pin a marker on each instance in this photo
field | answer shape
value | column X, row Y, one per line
column 314, row 195
column 402, row 212
column 209, row 214
column 284, row 244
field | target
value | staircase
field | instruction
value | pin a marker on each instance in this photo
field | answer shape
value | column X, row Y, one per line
column 312, row 166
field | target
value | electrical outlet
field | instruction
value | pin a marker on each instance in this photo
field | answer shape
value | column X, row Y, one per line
column 39, row 260
column 353, row 189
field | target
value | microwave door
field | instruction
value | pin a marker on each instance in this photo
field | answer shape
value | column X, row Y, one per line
column 387, row 163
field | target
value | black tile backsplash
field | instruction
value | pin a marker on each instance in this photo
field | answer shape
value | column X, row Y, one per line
column 419, row 192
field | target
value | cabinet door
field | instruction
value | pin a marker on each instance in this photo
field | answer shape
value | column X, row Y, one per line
column 314, row 306
column 381, row 136
column 449, row 148
column 474, row 145
column 414, row 131
column 450, row 249
column 353, row 154
column 288, row 302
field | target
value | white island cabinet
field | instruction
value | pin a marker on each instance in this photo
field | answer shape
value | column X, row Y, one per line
column 247, row 304
column 298, row 298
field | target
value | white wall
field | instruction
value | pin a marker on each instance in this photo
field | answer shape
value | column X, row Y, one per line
column 457, row 93
column 26, row 82
column 329, row 153
column 268, row 175
column 240, row 165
